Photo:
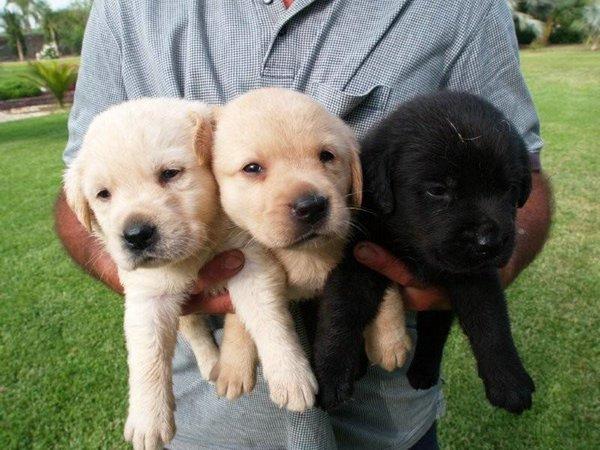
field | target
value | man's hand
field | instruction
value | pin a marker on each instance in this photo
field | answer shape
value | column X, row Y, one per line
column 217, row 271
column 416, row 296
column 533, row 225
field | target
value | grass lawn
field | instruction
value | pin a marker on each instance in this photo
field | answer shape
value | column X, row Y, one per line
column 62, row 376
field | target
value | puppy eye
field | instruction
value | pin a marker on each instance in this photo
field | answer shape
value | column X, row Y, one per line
column 103, row 194
column 168, row 174
column 438, row 191
column 326, row 156
column 253, row 168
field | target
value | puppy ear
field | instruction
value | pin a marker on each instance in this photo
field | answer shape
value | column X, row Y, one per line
column 357, row 179
column 379, row 173
column 204, row 134
column 75, row 198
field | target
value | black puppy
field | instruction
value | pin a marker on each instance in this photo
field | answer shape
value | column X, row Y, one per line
column 444, row 175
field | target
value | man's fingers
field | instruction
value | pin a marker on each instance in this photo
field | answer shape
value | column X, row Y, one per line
column 424, row 299
column 221, row 268
column 219, row 304
column 379, row 259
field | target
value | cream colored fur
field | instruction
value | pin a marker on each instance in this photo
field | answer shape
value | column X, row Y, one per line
column 284, row 132
column 124, row 152
column 386, row 340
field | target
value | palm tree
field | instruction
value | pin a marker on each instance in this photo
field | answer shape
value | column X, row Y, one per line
column 53, row 76
column 48, row 22
column 14, row 31
column 30, row 10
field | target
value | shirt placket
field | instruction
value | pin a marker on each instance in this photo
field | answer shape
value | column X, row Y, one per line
column 279, row 62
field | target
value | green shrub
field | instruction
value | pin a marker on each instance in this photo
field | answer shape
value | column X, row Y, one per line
column 56, row 77
column 10, row 89
column 526, row 34
column 566, row 35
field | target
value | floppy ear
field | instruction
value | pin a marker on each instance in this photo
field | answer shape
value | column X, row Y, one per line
column 75, row 198
column 357, row 179
column 203, row 135
column 524, row 188
column 379, row 173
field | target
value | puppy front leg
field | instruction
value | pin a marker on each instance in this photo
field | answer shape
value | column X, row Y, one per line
column 350, row 301
column 258, row 295
column 480, row 306
column 433, row 328
column 386, row 340
column 150, row 332
column 235, row 372
column 199, row 335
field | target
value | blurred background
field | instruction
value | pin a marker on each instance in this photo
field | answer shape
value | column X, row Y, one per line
column 62, row 355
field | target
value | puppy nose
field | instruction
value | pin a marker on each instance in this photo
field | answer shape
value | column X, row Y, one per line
column 311, row 208
column 487, row 238
column 139, row 236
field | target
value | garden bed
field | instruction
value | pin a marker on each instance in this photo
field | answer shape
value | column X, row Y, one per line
column 44, row 99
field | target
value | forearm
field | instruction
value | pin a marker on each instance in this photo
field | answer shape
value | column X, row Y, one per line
column 533, row 226
column 83, row 247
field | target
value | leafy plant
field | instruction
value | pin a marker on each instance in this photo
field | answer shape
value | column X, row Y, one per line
column 11, row 89
column 528, row 28
column 48, row 51
column 68, row 27
column 553, row 21
column 54, row 76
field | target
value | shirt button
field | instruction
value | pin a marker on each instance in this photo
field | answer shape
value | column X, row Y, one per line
column 267, row 2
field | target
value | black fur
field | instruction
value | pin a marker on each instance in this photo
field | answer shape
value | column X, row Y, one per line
column 443, row 175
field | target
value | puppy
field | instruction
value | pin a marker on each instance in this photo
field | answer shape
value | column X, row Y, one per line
column 143, row 184
column 288, row 175
column 444, row 175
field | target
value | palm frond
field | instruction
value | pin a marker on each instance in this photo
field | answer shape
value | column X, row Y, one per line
column 54, row 76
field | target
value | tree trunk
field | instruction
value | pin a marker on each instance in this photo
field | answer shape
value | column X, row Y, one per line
column 548, row 27
column 20, row 50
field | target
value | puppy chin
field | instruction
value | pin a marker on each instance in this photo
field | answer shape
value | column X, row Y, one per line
column 316, row 238
column 447, row 261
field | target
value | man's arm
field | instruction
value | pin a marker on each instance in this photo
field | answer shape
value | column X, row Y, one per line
column 533, row 226
column 83, row 247
column 87, row 252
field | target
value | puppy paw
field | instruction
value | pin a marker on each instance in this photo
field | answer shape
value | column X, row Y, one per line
column 146, row 432
column 232, row 381
column 293, row 389
column 510, row 388
column 390, row 351
column 332, row 394
column 336, row 382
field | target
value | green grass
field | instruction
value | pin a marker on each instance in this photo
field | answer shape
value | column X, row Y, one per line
column 62, row 370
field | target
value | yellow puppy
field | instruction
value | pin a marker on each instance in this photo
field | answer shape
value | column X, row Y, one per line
column 138, row 185
column 288, row 175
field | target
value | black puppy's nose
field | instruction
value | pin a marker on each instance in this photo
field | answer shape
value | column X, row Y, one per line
column 487, row 238
column 139, row 236
column 310, row 209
